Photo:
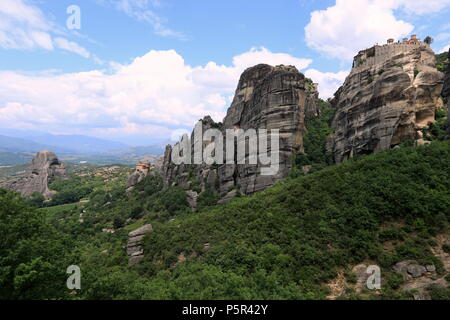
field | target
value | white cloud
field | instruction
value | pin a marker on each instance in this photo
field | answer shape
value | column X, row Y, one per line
column 342, row 30
column 143, row 10
column 151, row 96
column 25, row 27
column 262, row 55
column 328, row 82
column 72, row 47
column 421, row 6
column 445, row 49
column 352, row 25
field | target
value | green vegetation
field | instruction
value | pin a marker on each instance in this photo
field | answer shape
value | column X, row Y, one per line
column 287, row 241
column 317, row 131
column 438, row 293
column 284, row 243
column 14, row 159
column 446, row 248
column 83, row 184
column 32, row 253
column 442, row 61
column 437, row 130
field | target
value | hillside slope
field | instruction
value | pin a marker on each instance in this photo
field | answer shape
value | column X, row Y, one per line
column 291, row 241
column 288, row 241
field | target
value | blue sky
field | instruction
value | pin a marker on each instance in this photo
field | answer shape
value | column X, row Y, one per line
column 141, row 71
column 209, row 31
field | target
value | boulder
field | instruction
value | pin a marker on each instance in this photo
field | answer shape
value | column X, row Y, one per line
column 135, row 250
column 416, row 270
column 141, row 231
column 411, row 269
column 229, row 196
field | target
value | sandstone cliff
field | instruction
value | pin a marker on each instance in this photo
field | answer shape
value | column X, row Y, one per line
column 45, row 167
column 266, row 98
column 135, row 250
column 391, row 94
column 446, row 92
column 140, row 172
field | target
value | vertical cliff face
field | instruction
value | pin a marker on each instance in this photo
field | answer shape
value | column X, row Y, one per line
column 44, row 168
column 391, row 94
column 446, row 93
column 266, row 98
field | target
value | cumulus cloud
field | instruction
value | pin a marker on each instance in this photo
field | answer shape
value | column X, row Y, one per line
column 351, row 25
column 152, row 96
column 25, row 27
column 445, row 49
column 328, row 82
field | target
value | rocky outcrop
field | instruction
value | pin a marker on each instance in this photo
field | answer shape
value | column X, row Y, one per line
column 418, row 278
column 192, row 197
column 140, row 172
column 446, row 93
column 266, row 98
column 135, row 250
column 44, row 168
column 391, row 94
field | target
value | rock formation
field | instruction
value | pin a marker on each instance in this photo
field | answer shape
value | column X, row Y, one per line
column 140, row 172
column 44, row 168
column 416, row 277
column 266, row 98
column 391, row 94
column 135, row 251
column 446, row 92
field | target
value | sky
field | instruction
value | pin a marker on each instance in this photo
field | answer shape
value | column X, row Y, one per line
column 143, row 71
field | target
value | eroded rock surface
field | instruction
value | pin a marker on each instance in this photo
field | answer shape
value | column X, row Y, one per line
column 135, row 251
column 266, row 98
column 44, row 168
column 391, row 94
column 446, row 93
column 140, row 172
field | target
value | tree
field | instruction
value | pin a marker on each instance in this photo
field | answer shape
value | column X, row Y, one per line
column 32, row 255
column 428, row 40
column 36, row 200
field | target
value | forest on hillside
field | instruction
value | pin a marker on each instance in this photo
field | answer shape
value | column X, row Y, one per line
column 291, row 241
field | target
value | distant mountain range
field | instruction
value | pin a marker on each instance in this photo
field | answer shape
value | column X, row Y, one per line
column 12, row 144
column 18, row 147
column 138, row 151
column 78, row 143
column 17, row 141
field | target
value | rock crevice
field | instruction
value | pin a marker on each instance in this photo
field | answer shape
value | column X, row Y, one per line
column 446, row 93
column 135, row 250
